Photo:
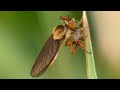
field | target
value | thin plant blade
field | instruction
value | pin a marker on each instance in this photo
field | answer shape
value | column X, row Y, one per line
column 91, row 71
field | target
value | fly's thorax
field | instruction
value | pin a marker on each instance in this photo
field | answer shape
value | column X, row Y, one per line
column 76, row 34
column 58, row 32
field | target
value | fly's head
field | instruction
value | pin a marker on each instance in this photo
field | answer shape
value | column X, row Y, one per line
column 65, row 18
column 70, row 23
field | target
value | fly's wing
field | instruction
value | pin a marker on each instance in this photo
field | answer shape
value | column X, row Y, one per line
column 46, row 56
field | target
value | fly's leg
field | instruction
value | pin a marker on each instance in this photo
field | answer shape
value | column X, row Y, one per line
column 79, row 23
column 80, row 41
column 70, row 43
column 82, row 32
column 72, row 48
column 75, row 49
column 82, row 45
column 78, row 45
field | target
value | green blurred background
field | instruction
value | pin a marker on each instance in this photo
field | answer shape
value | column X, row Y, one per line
column 23, row 34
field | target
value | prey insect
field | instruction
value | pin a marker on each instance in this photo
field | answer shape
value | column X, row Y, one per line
column 70, row 32
column 49, row 51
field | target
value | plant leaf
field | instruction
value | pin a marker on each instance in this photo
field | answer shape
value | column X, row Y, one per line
column 91, row 71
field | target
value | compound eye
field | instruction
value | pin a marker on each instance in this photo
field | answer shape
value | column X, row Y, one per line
column 64, row 18
column 71, row 26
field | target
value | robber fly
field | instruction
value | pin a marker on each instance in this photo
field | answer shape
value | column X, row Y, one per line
column 69, row 32
column 74, row 34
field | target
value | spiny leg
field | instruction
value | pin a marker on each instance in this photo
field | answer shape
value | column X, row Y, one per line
column 77, row 45
column 83, row 28
column 80, row 41
column 79, row 23
column 82, row 32
column 75, row 49
column 72, row 48
column 81, row 45
column 70, row 43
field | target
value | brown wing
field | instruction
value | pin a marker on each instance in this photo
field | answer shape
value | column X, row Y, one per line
column 46, row 56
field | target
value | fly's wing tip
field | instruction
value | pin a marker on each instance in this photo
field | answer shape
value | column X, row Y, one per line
column 50, row 49
column 33, row 73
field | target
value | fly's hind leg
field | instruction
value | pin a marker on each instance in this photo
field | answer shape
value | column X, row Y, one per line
column 70, row 43
column 83, row 33
column 81, row 45
column 75, row 49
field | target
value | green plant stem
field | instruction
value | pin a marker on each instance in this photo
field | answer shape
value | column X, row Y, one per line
column 91, row 71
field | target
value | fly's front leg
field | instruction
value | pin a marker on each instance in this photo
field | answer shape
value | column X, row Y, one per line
column 79, row 23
